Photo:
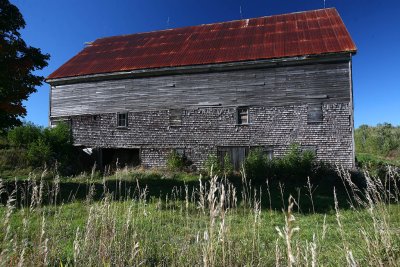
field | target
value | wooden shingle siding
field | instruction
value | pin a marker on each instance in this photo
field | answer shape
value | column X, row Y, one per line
column 288, row 85
column 205, row 129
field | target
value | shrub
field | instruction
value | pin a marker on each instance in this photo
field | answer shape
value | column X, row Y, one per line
column 228, row 166
column 374, row 165
column 60, row 142
column 256, row 164
column 212, row 165
column 175, row 161
column 44, row 146
column 295, row 166
column 39, row 153
column 23, row 136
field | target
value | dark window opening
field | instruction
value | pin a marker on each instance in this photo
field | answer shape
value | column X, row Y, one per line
column 175, row 117
column 243, row 115
column 122, row 119
column 315, row 114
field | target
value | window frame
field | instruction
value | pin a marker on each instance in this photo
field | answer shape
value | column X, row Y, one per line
column 315, row 113
column 240, row 111
column 119, row 119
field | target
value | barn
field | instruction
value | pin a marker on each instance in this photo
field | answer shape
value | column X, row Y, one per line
column 213, row 89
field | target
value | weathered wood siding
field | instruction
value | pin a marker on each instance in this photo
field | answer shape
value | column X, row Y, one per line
column 279, row 101
column 264, row 87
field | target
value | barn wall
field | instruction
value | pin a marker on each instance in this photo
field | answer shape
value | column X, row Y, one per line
column 278, row 98
column 203, row 129
column 278, row 86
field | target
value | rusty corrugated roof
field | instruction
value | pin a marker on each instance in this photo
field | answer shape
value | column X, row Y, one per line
column 304, row 33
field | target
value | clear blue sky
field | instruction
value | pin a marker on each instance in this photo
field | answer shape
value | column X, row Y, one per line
column 61, row 27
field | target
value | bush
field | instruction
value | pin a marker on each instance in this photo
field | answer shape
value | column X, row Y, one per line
column 212, row 165
column 224, row 168
column 175, row 161
column 60, row 142
column 375, row 166
column 228, row 166
column 256, row 164
column 39, row 153
column 295, row 166
column 23, row 136
column 45, row 146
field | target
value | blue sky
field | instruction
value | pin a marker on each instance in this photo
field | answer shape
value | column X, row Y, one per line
column 61, row 28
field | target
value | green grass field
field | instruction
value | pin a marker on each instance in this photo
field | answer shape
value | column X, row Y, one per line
column 152, row 219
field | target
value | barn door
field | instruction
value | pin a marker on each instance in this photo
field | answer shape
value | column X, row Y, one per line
column 236, row 154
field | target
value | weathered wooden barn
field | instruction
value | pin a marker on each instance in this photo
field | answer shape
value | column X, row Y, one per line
column 217, row 88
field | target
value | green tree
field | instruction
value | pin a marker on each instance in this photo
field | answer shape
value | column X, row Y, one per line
column 18, row 61
column 23, row 136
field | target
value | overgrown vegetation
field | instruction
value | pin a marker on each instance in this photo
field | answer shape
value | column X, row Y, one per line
column 294, row 166
column 30, row 147
column 377, row 147
column 381, row 141
column 213, row 166
column 131, row 220
column 160, row 218
column 176, row 161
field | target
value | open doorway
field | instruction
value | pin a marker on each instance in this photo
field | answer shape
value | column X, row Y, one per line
column 120, row 157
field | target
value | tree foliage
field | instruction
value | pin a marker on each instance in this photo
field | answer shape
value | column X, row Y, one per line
column 381, row 140
column 43, row 145
column 18, row 61
column 22, row 137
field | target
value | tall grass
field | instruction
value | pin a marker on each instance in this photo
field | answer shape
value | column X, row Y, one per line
column 210, row 223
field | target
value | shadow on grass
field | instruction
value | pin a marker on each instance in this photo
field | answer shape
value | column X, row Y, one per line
column 274, row 195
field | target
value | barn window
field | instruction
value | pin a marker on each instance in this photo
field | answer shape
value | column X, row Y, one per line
column 122, row 119
column 314, row 114
column 175, row 117
column 243, row 115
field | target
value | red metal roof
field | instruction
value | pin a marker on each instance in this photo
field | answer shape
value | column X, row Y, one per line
column 304, row 33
